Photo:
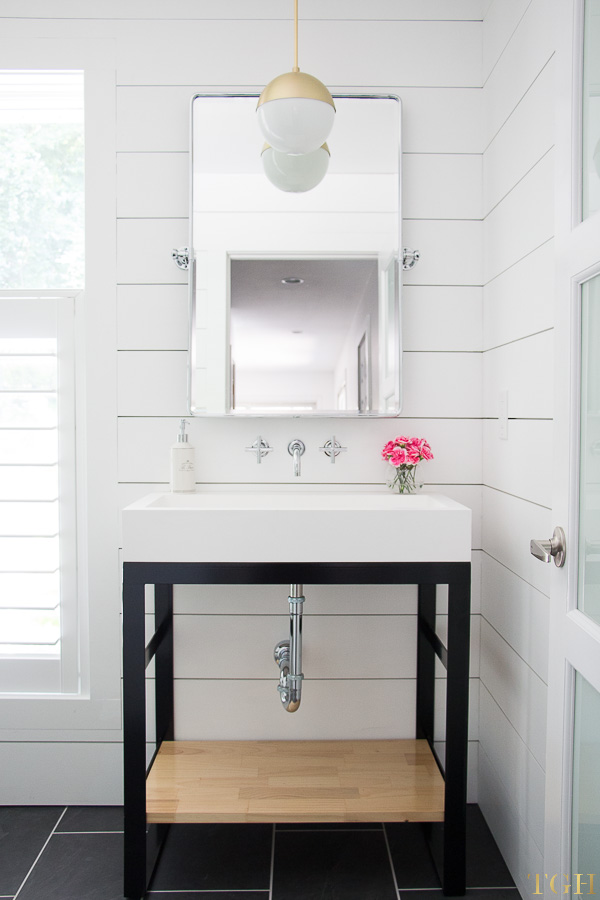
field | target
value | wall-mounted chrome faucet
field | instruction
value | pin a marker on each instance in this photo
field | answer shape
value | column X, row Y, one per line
column 288, row 654
column 296, row 448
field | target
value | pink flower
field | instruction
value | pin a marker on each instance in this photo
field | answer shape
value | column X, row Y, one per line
column 398, row 457
column 406, row 451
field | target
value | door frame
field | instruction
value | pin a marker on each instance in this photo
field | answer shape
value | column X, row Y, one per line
column 574, row 637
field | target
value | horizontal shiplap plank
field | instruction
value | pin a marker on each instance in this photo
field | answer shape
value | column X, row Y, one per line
column 155, row 119
column 520, row 773
column 442, row 384
column 523, row 221
column 521, row 853
column 520, row 301
column 525, row 370
column 435, row 120
column 334, row 647
column 518, row 691
column 152, row 317
column 152, row 382
column 153, row 185
column 530, row 47
column 240, row 9
column 525, row 137
column 441, row 120
column 499, row 23
column 441, row 186
column 509, row 524
column 456, row 446
column 338, row 53
column 437, row 317
column 518, row 612
column 144, row 248
column 442, row 247
column 330, row 710
column 271, row 599
column 507, row 468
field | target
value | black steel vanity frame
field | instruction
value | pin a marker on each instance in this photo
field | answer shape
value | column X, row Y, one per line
column 143, row 842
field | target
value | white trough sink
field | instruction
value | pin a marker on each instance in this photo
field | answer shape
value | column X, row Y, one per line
column 290, row 526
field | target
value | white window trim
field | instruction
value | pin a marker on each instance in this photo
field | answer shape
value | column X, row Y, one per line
column 95, row 711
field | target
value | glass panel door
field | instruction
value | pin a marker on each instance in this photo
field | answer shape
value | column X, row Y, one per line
column 585, row 834
column 591, row 110
column 588, row 595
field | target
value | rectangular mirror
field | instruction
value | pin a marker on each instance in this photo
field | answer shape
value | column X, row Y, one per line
column 295, row 296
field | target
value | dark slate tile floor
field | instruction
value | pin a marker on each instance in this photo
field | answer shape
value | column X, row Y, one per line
column 76, row 853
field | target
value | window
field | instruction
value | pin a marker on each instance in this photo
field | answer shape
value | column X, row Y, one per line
column 41, row 180
column 41, row 234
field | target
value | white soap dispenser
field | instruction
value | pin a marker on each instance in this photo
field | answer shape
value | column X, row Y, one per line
column 183, row 475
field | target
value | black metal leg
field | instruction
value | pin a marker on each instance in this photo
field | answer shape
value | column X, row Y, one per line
column 425, row 663
column 134, row 735
column 457, row 716
column 163, row 619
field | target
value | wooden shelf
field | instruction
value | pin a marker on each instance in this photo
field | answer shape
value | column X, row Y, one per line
column 295, row 781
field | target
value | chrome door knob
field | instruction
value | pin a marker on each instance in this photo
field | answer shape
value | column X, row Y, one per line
column 556, row 547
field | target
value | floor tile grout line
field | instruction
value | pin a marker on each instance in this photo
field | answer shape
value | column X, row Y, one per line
column 389, row 853
column 272, row 867
column 35, row 862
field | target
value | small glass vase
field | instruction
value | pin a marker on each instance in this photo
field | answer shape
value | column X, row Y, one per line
column 404, row 480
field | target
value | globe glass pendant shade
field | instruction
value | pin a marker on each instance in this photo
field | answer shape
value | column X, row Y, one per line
column 293, row 172
column 295, row 113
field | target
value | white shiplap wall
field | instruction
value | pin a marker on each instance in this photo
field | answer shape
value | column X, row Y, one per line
column 518, row 190
column 428, row 52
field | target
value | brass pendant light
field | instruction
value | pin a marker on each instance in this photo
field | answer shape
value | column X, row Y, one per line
column 295, row 110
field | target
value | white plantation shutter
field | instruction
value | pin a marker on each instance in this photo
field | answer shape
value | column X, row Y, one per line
column 41, row 273
column 37, row 495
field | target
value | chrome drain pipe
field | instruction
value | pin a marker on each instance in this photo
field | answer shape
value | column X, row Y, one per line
column 288, row 654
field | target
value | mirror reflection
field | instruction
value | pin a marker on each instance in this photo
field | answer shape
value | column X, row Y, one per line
column 295, row 295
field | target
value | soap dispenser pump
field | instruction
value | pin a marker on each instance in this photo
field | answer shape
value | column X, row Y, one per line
column 183, row 476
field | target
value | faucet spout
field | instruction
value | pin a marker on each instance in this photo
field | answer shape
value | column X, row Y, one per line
column 296, row 448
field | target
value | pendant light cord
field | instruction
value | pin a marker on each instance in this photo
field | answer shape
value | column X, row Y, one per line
column 295, row 69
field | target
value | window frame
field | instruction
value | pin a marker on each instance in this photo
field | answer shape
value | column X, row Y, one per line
column 94, row 712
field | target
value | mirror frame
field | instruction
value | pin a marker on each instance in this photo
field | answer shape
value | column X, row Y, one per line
column 189, row 254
